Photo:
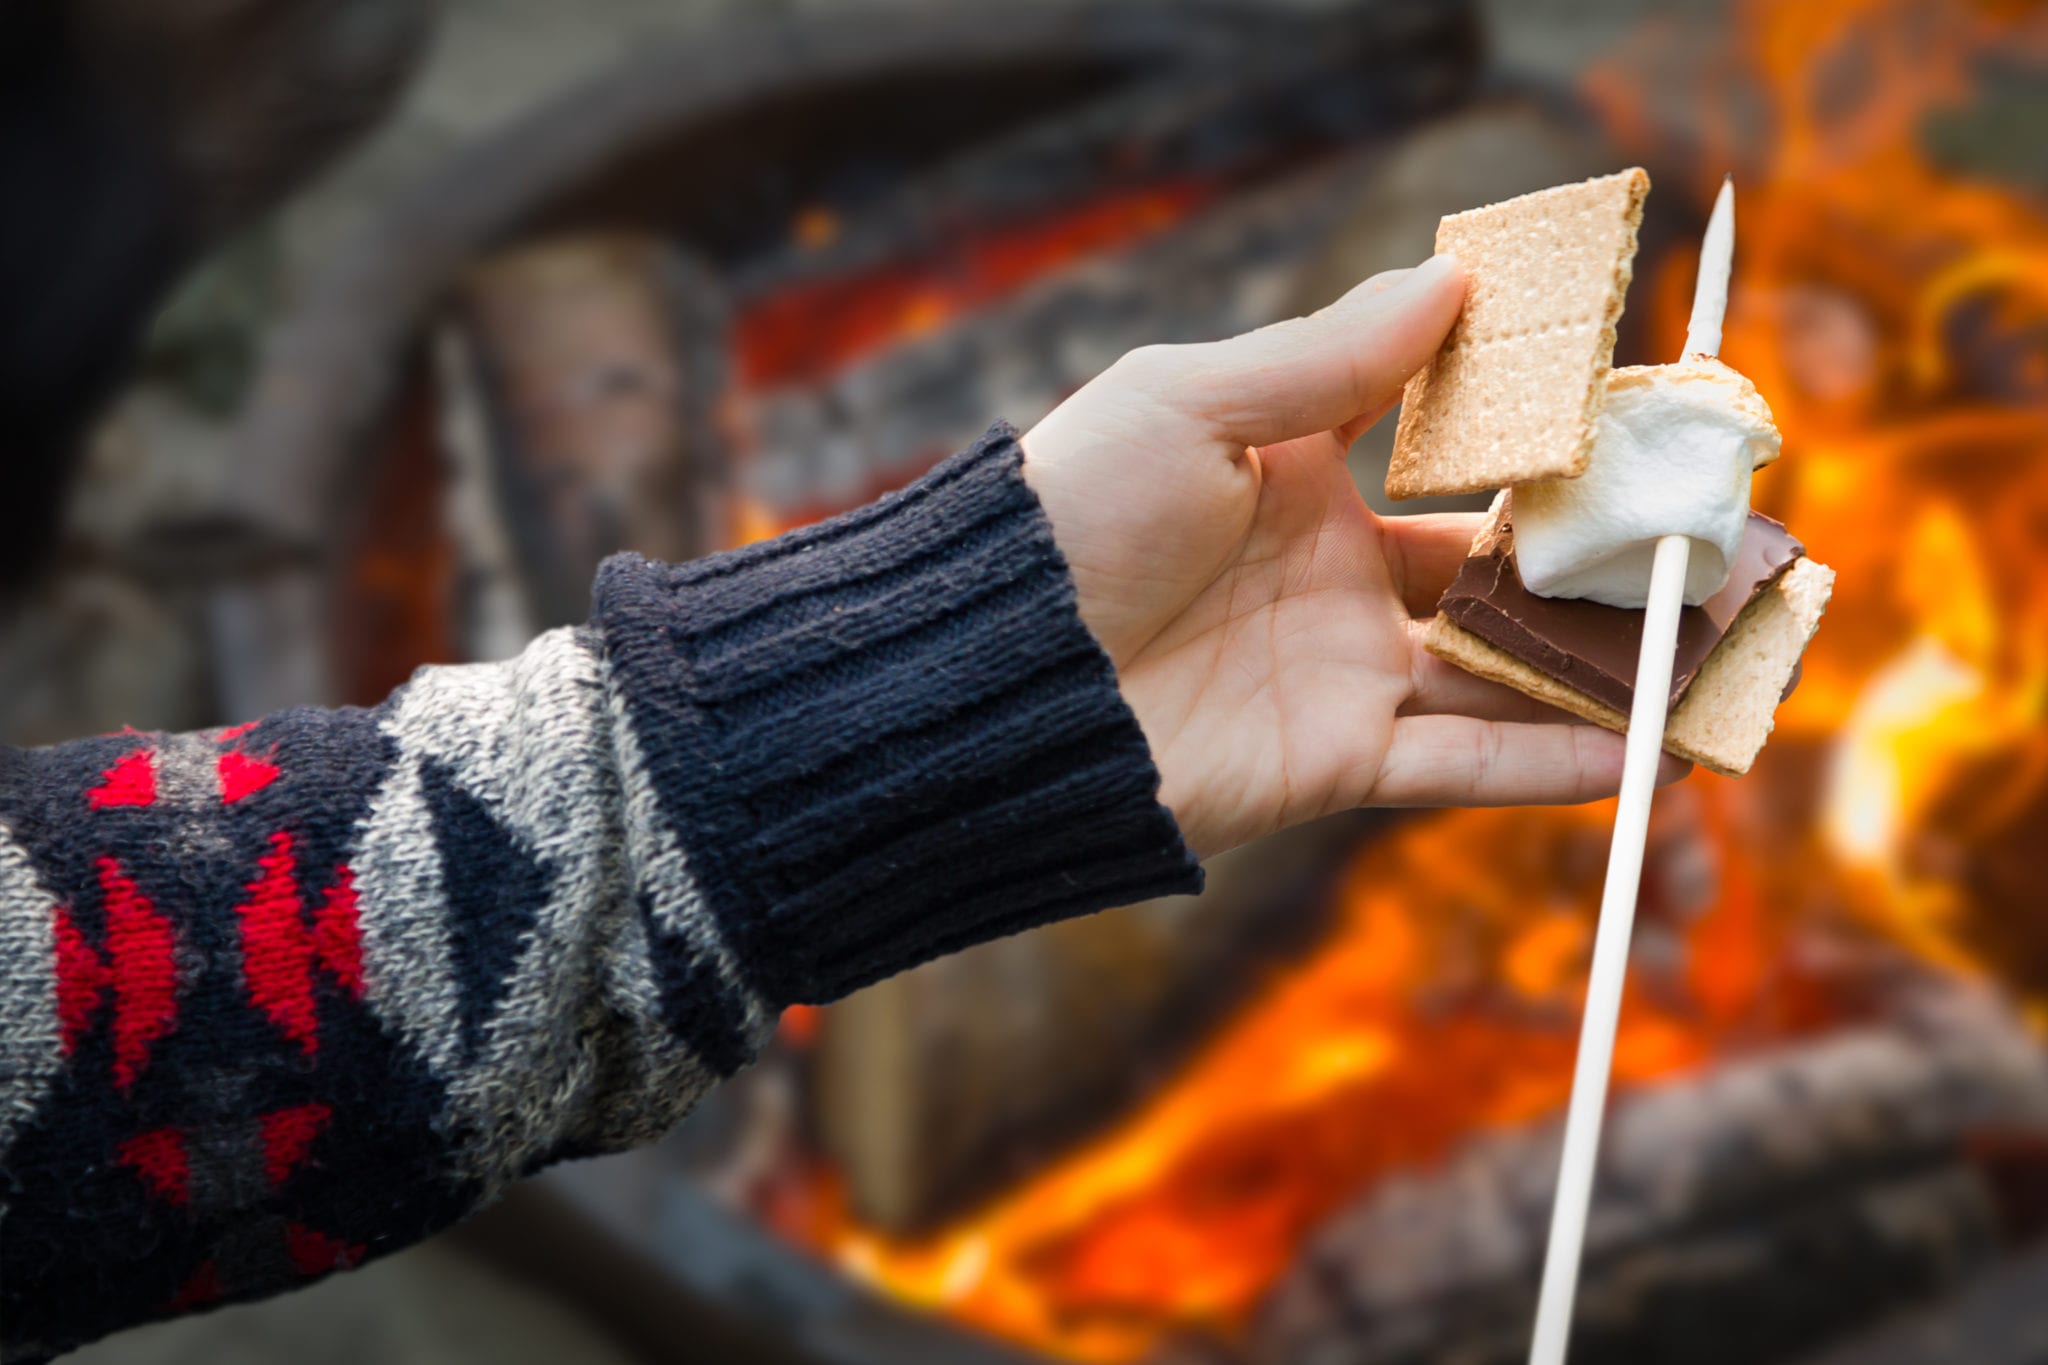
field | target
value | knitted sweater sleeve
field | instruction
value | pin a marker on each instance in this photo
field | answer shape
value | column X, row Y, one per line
column 281, row 997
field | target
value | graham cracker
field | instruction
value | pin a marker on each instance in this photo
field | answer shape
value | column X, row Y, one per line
column 1514, row 391
column 1731, row 707
column 1727, row 714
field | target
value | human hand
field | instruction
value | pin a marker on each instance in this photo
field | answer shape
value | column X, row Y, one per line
column 1264, row 623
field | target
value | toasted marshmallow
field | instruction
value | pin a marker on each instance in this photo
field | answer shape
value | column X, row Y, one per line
column 1672, row 455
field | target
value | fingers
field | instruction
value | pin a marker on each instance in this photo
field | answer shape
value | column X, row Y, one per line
column 1442, row 689
column 1424, row 554
column 1332, row 369
column 1464, row 761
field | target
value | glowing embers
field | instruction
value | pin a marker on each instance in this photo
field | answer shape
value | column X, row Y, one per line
column 1443, row 1005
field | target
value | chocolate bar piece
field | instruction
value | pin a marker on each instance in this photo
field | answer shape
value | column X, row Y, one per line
column 1591, row 647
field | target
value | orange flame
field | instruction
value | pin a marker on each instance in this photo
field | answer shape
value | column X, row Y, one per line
column 1896, row 314
column 1401, row 1035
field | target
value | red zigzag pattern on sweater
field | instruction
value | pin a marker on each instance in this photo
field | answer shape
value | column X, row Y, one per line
column 288, row 1135
column 279, row 949
column 241, row 775
column 81, row 977
column 140, row 966
column 159, row 1158
column 315, row 1253
column 130, row 782
column 141, row 945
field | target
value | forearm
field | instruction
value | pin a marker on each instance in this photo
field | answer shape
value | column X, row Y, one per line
column 889, row 736
column 281, row 997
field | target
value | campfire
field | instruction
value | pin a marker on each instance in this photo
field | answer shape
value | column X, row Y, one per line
column 1897, row 316
column 1404, row 1034
column 1312, row 1116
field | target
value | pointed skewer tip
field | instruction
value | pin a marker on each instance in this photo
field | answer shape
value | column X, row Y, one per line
column 1717, row 260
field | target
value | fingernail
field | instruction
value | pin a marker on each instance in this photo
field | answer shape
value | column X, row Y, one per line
column 1418, row 281
column 1433, row 269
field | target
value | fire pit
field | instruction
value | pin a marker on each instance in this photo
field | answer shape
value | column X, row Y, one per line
column 1308, row 1119
column 797, row 173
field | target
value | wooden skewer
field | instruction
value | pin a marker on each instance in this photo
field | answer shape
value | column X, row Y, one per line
column 1717, row 260
column 1625, row 854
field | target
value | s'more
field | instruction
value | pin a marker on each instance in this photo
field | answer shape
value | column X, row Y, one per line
column 1594, row 465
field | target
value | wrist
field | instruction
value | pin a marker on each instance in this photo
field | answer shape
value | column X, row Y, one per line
column 890, row 736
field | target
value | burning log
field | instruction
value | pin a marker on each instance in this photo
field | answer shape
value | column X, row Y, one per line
column 938, row 1086
column 1743, row 1214
column 1999, row 1319
column 578, row 382
column 920, row 390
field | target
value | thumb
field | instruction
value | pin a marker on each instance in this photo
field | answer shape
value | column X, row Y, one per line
column 1342, row 366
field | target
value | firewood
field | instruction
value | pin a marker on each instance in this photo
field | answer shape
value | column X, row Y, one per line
column 1741, row 1214
column 1218, row 272
column 578, row 380
column 1997, row 1319
column 937, row 1087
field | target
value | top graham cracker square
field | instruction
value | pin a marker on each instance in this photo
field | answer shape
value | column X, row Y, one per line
column 1514, row 392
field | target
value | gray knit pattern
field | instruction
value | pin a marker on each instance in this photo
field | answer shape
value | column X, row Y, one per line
column 575, row 1051
column 282, row 997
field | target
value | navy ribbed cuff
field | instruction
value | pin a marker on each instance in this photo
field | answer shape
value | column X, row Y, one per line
column 889, row 736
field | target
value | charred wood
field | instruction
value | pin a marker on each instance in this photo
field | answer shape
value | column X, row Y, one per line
column 1226, row 270
column 1744, row 1214
column 1998, row 1319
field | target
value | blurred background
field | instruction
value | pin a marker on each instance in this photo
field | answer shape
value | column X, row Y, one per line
column 677, row 274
